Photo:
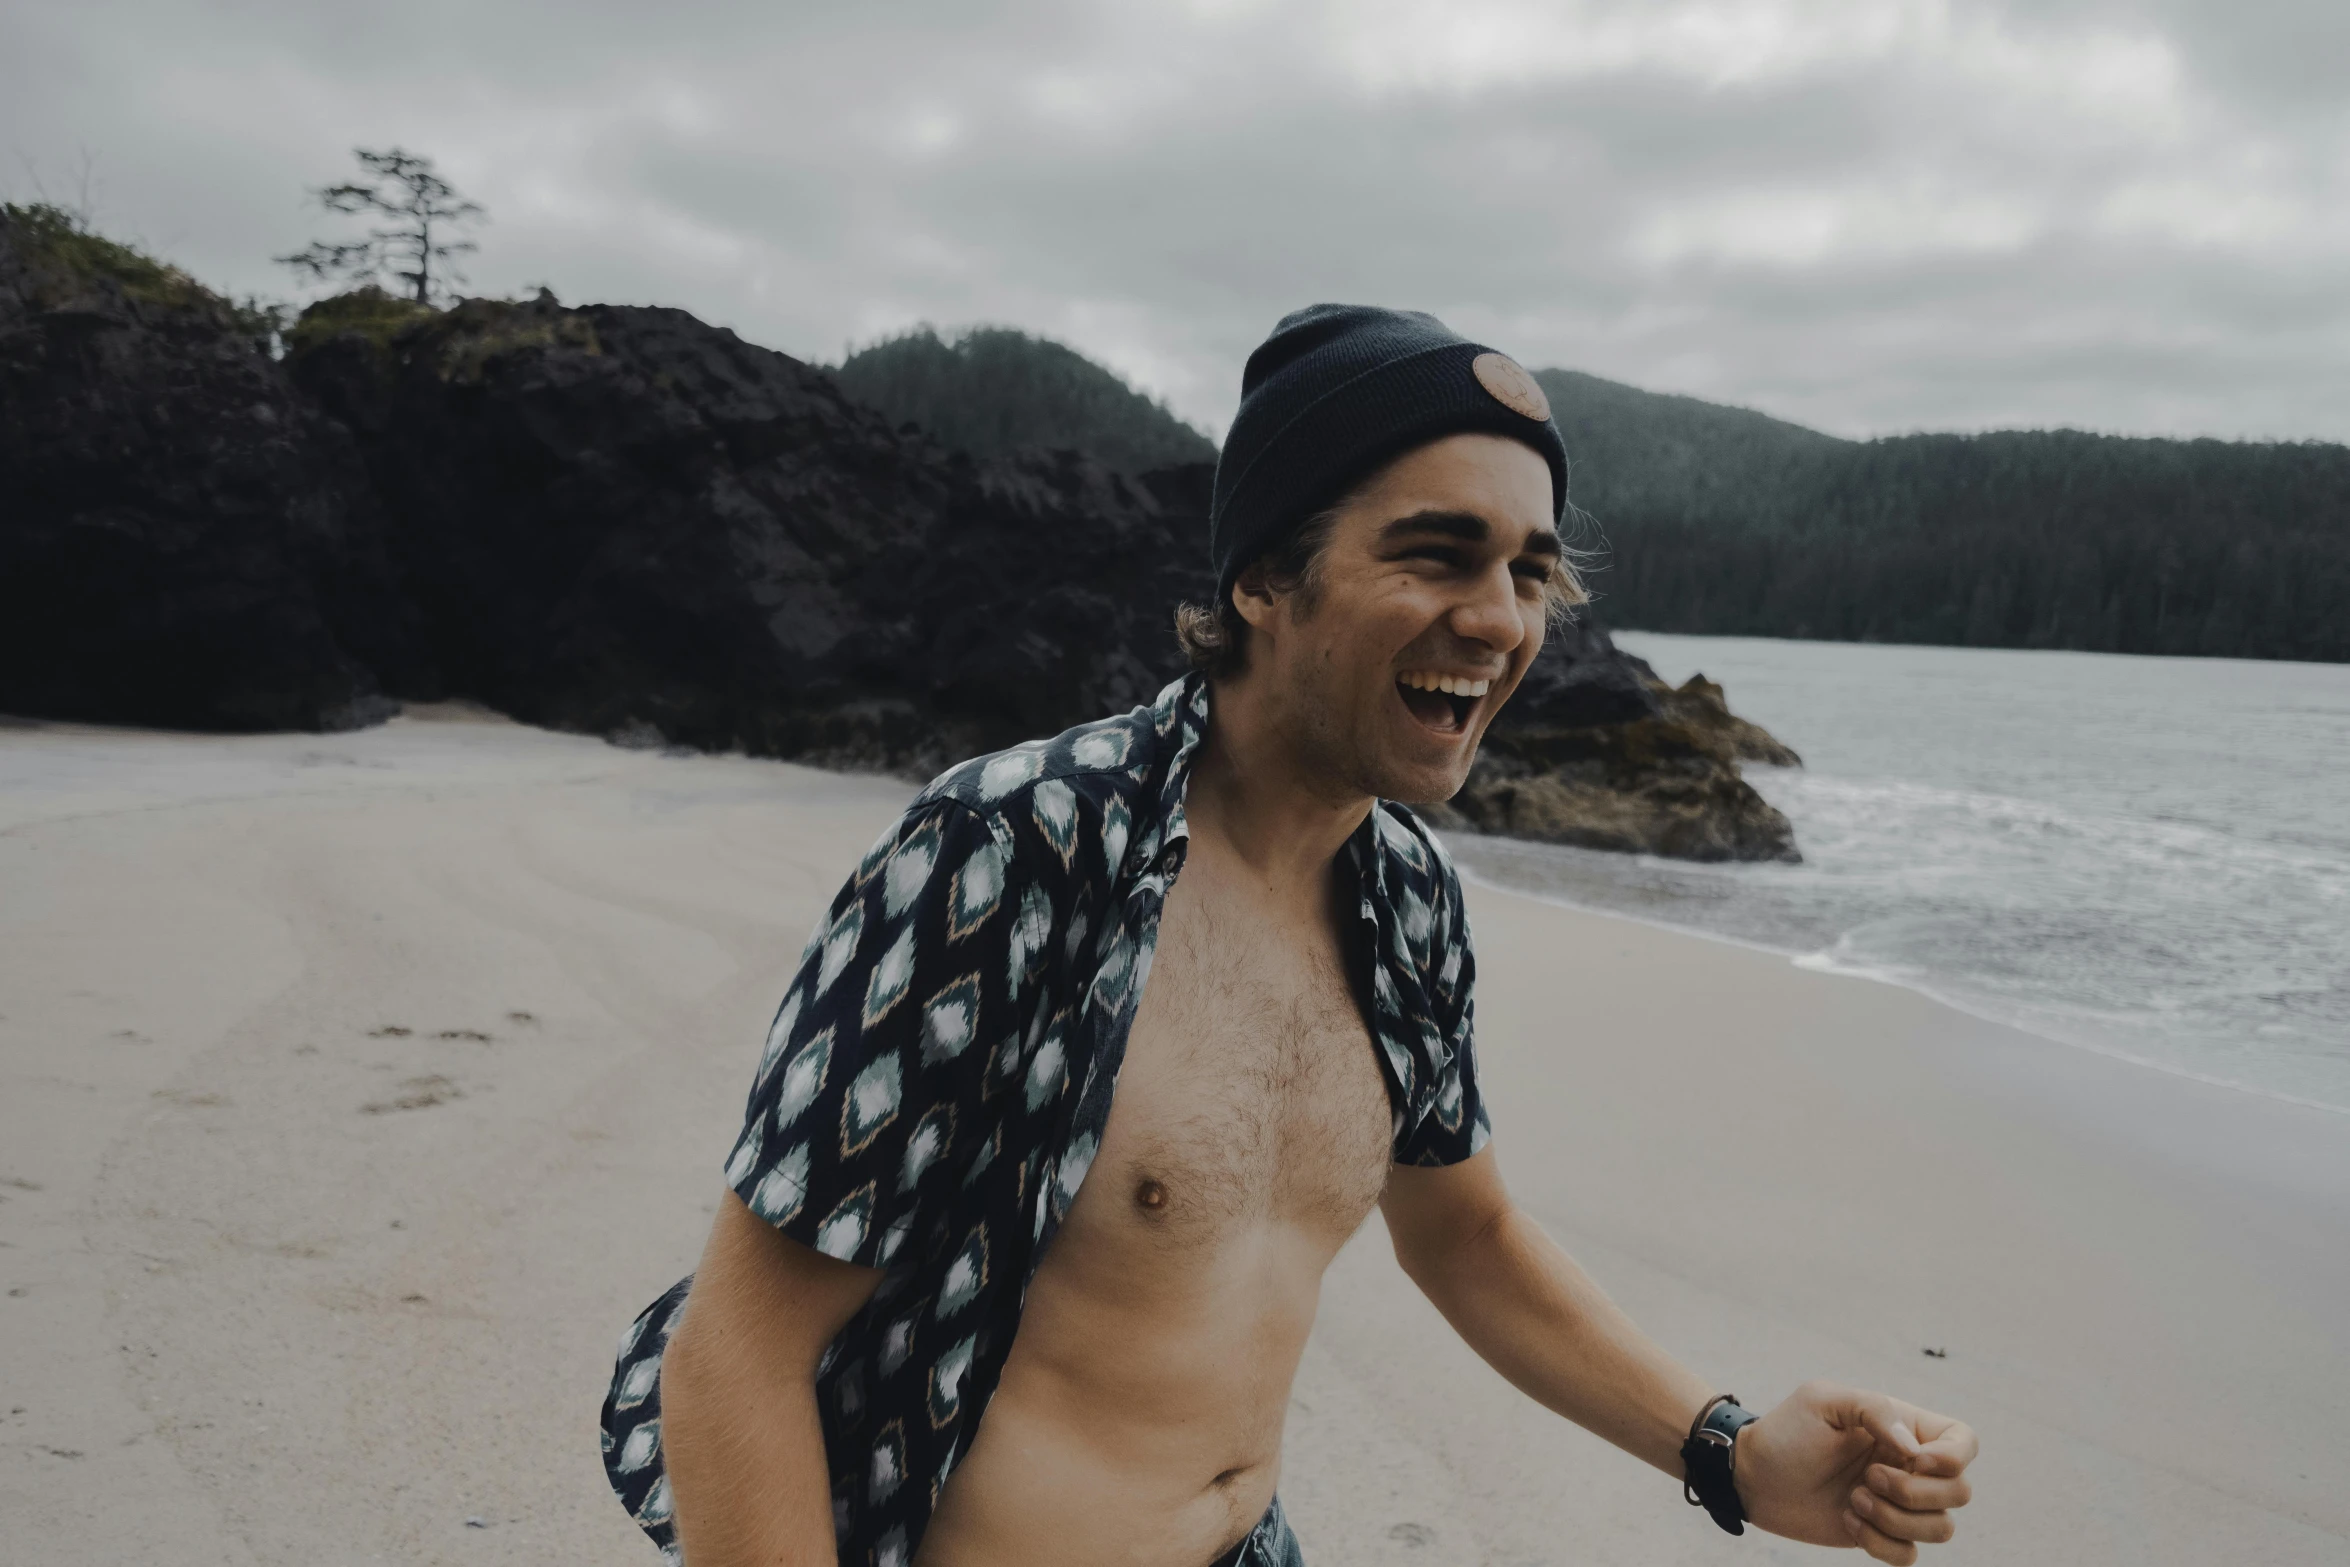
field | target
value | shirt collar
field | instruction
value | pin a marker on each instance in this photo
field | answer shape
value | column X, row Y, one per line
column 1179, row 715
column 1370, row 857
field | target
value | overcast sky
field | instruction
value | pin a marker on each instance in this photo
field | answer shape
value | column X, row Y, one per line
column 1866, row 215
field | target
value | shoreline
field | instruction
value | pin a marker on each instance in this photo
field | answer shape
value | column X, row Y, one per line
column 1972, row 647
column 1821, row 963
column 360, row 1088
column 2021, row 1019
column 2140, row 857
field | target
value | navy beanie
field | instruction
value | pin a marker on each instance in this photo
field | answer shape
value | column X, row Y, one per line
column 1338, row 390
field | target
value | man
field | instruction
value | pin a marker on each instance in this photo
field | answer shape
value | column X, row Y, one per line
column 1113, row 1040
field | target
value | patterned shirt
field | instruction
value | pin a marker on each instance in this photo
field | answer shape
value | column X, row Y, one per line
column 937, row 1079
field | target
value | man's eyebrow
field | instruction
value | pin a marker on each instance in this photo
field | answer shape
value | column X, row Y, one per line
column 1466, row 526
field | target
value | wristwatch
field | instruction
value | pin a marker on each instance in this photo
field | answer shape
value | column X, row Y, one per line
column 1707, row 1459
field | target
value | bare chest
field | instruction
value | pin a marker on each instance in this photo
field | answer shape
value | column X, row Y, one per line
column 1250, row 1089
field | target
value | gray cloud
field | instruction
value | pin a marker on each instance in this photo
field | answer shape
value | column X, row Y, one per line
column 1868, row 215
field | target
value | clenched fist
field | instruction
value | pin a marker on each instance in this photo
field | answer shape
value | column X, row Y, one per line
column 1832, row 1465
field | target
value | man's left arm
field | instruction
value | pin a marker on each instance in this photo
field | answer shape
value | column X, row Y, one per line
column 1829, row 1465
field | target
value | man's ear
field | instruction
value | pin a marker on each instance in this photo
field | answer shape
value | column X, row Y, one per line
column 1253, row 597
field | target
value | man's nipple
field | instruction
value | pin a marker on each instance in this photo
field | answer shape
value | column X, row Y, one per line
column 1151, row 1197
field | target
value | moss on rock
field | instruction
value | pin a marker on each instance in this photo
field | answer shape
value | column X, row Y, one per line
column 59, row 248
column 366, row 312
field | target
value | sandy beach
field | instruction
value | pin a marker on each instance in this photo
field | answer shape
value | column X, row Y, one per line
column 355, row 1090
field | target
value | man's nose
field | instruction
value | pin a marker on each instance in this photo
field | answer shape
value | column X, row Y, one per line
column 1489, row 612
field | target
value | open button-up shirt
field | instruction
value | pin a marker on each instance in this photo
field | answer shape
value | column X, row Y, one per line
column 938, row 1077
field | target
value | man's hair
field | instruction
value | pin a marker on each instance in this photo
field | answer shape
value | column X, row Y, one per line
column 1214, row 637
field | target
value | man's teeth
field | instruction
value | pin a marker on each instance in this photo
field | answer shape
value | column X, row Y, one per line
column 1450, row 685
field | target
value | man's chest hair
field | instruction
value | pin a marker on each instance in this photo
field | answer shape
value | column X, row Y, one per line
column 1250, row 1087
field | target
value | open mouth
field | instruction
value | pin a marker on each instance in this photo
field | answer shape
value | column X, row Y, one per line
column 1442, row 702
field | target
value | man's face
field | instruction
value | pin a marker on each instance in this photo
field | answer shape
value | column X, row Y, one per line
column 1429, row 604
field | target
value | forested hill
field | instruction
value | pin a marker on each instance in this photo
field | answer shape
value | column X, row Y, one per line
column 1636, row 451
column 993, row 391
column 1726, row 522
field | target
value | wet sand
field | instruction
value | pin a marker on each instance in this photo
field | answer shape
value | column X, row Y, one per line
column 356, row 1090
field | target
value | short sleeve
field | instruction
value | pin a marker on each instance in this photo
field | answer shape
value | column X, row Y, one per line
column 1455, row 1125
column 919, row 976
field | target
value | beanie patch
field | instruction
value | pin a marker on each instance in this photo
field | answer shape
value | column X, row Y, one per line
column 1510, row 385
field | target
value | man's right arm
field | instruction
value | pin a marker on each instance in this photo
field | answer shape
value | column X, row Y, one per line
column 869, row 1105
column 739, row 1434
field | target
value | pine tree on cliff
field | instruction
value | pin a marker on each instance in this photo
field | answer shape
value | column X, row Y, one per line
column 420, row 210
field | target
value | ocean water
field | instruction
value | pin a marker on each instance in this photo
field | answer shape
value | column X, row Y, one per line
column 2148, row 857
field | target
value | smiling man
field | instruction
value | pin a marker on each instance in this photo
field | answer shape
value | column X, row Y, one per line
column 1112, row 1041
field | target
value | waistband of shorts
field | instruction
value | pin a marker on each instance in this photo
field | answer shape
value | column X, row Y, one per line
column 1269, row 1544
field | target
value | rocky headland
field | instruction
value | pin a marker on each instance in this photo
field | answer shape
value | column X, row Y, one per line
column 623, row 521
column 1596, row 751
column 186, row 539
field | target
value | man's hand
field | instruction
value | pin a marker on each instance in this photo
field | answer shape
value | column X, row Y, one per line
column 1832, row 1465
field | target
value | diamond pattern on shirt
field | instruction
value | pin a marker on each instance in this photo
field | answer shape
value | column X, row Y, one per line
column 949, row 1020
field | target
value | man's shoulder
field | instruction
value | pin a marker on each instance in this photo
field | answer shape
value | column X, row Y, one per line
column 1114, row 754
column 1097, row 779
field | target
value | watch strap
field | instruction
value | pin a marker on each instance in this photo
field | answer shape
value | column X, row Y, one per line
column 1707, row 1462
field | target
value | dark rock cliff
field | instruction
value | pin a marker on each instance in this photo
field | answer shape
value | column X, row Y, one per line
column 622, row 520
column 184, row 540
